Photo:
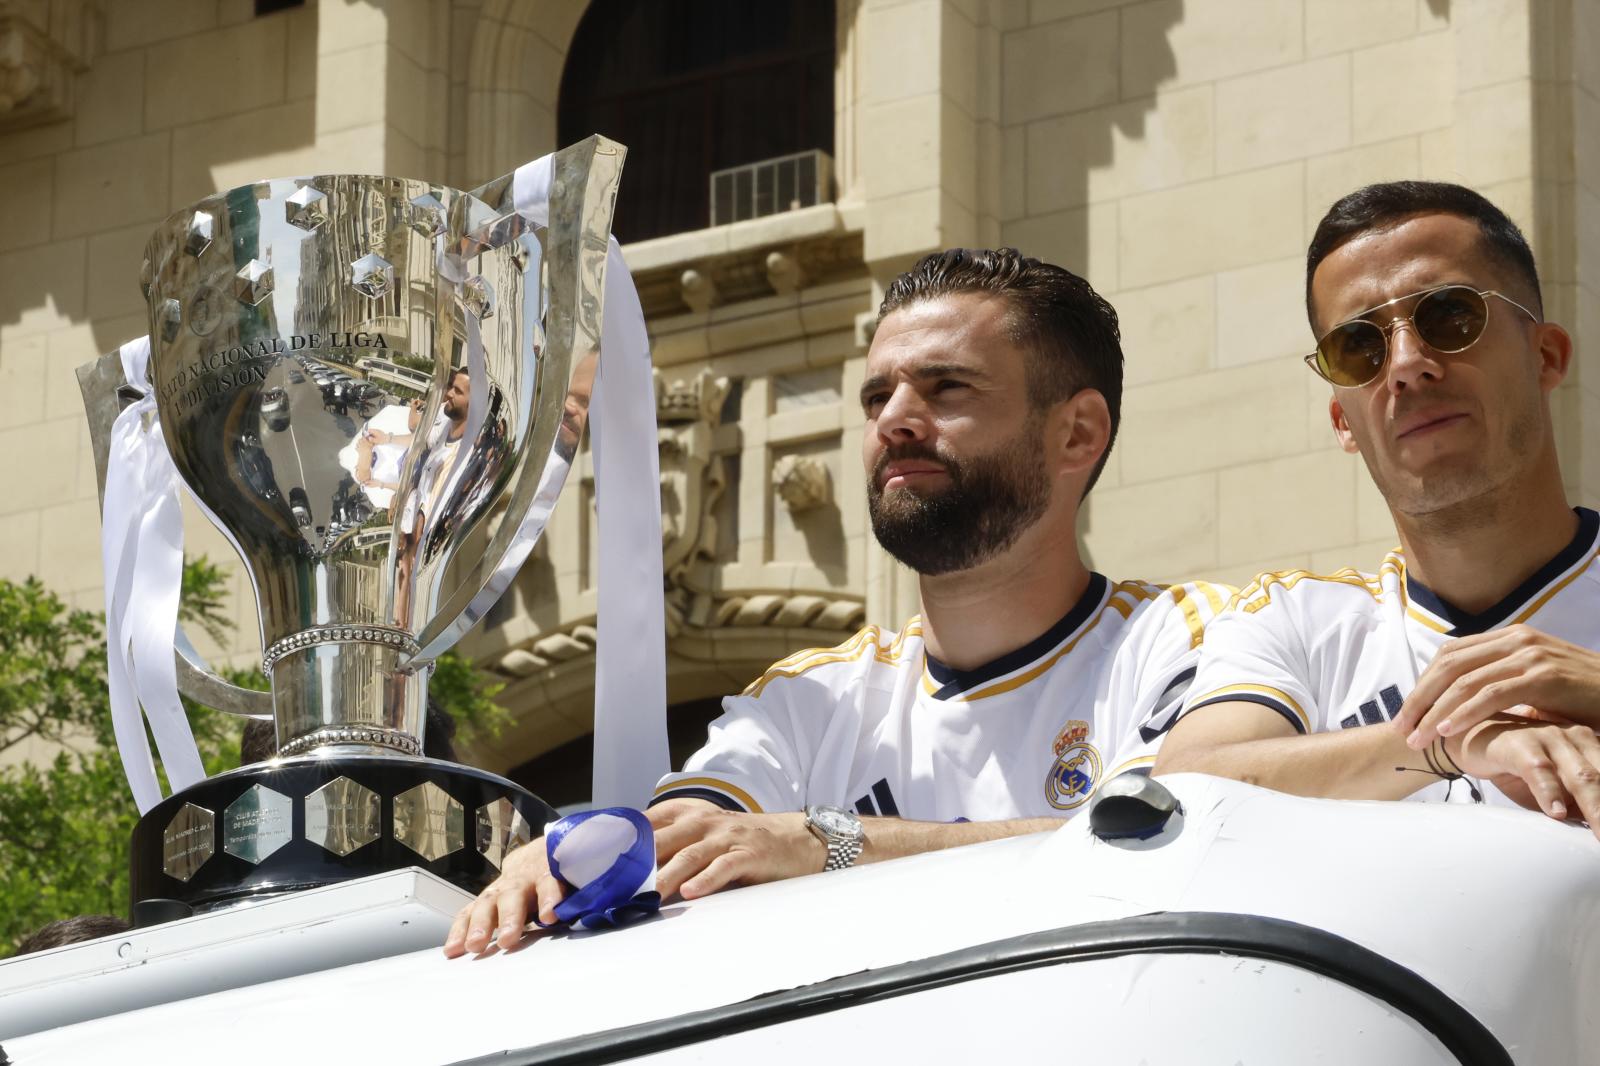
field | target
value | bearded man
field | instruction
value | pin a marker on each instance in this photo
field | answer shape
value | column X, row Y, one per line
column 991, row 400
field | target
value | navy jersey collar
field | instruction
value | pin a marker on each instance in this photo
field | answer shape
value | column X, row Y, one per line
column 1464, row 623
column 953, row 682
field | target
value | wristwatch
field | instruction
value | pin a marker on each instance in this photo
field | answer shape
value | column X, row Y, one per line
column 840, row 830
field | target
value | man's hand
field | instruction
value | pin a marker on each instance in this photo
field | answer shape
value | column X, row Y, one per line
column 1515, row 670
column 701, row 848
column 1545, row 767
column 500, row 912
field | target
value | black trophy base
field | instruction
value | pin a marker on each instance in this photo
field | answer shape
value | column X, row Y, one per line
column 317, row 820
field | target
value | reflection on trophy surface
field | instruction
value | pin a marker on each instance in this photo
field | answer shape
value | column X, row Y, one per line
column 355, row 376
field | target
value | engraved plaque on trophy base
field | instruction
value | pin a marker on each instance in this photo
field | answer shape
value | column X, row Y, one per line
column 315, row 820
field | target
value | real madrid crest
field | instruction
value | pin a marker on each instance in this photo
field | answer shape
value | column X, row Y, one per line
column 1072, row 776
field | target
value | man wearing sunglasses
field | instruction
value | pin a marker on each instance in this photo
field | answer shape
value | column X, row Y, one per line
column 1471, row 652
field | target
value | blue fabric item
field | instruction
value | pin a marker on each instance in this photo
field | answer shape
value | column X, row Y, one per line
column 624, row 892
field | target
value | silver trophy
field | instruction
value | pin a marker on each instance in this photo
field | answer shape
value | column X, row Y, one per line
column 375, row 387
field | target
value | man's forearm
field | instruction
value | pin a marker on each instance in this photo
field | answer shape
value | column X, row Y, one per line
column 893, row 838
column 1350, row 764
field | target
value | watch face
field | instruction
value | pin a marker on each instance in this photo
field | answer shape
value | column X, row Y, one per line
column 836, row 822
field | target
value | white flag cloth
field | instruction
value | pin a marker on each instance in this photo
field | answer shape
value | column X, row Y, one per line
column 142, row 551
column 630, row 684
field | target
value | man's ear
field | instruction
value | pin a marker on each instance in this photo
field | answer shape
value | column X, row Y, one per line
column 1082, row 424
column 1341, row 427
column 1555, row 355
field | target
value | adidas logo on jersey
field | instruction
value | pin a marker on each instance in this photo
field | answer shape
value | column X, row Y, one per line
column 1369, row 712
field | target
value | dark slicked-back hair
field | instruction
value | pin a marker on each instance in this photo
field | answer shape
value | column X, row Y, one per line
column 1069, row 331
column 1380, row 207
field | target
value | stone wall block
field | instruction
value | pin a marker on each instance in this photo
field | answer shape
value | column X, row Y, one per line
column 72, row 532
column 1155, row 531
column 300, row 46
column 958, row 154
column 1213, row 225
column 111, row 185
column 900, row 146
column 1261, row 313
column 1119, row 150
column 110, row 99
column 20, row 534
column 1283, row 114
column 346, row 24
column 66, row 349
column 49, row 477
column 1496, row 141
column 25, row 209
column 903, row 225
column 1167, row 43
column 351, row 89
column 904, row 43
column 1294, row 505
column 41, row 288
column 1168, row 331
column 1050, row 10
column 24, row 363
column 114, row 258
column 281, row 140
column 1222, row 419
column 1342, row 25
column 1492, row 39
column 1060, row 66
column 134, row 23
column 235, row 69
column 1405, row 87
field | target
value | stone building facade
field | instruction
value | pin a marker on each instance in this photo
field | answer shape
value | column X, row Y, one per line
column 1176, row 152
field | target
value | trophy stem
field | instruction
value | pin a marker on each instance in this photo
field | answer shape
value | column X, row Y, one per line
column 349, row 693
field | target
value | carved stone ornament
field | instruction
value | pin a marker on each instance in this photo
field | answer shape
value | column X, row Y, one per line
column 693, row 479
column 43, row 44
column 802, row 482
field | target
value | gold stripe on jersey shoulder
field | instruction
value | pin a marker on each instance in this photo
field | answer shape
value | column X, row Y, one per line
column 719, row 785
column 1256, row 595
column 1191, row 610
column 1216, row 595
column 1533, row 608
column 1259, row 690
column 1126, row 595
column 865, row 641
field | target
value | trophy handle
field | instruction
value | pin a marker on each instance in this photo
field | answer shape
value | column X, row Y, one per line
column 105, row 393
column 585, row 175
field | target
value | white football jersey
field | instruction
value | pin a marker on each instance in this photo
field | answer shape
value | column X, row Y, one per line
column 1341, row 651
column 877, row 726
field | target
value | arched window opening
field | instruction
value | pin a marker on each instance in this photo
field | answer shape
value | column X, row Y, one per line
column 697, row 86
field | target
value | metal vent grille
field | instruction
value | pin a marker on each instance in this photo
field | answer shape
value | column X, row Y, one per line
column 771, row 187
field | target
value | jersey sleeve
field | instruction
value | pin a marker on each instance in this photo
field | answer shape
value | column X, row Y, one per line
column 751, row 761
column 1254, row 653
column 1163, row 655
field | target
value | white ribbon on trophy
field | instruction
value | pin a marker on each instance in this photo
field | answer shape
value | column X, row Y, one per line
column 142, row 551
column 630, row 659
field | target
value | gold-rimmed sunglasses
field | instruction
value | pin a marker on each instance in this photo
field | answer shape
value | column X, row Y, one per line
column 1448, row 319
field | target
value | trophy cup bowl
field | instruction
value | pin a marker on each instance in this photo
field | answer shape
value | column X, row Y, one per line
column 368, row 383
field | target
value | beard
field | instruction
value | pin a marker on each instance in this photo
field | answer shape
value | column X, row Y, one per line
column 990, row 501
